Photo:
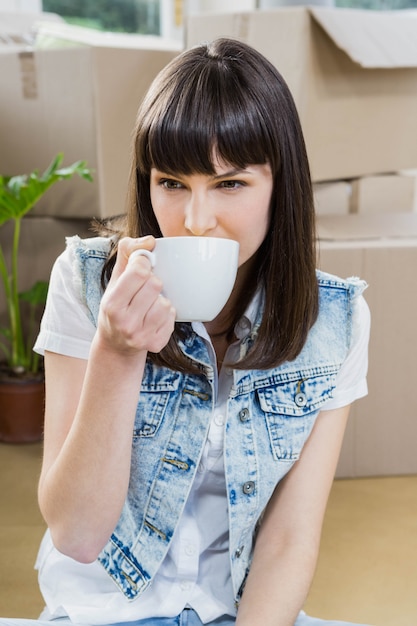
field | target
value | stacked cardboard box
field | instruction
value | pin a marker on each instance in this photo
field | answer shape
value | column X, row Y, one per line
column 77, row 94
column 333, row 197
column 353, row 74
column 385, row 193
column 382, row 430
column 74, row 91
column 378, row 193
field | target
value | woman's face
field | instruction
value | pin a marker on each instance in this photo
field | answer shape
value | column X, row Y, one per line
column 232, row 204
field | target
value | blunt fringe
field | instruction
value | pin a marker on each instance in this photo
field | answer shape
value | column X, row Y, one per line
column 226, row 96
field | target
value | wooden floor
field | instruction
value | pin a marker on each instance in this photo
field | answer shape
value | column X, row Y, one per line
column 367, row 571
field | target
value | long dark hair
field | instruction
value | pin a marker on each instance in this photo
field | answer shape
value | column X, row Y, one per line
column 225, row 96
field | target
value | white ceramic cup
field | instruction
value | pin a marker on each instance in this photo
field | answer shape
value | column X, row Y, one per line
column 197, row 273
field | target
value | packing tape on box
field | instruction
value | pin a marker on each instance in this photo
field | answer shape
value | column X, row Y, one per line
column 28, row 75
column 241, row 26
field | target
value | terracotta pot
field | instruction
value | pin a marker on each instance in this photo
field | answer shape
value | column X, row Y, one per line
column 22, row 404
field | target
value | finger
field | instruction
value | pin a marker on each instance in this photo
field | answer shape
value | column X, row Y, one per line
column 126, row 246
column 142, row 252
column 161, row 319
column 145, row 324
column 133, row 294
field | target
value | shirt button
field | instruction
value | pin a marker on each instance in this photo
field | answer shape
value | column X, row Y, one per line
column 185, row 585
column 238, row 552
column 244, row 415
column 219, row 420
column 248, row 487
column 190, row 550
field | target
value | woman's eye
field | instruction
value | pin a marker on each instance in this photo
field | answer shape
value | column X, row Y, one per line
column 231, row 184
column 170, row 184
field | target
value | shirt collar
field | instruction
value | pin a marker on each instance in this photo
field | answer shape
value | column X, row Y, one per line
column 244, row 325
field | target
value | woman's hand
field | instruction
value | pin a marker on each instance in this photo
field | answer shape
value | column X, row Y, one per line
column 134, row 315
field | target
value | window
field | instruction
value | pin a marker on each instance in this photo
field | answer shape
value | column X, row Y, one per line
column 130, row 16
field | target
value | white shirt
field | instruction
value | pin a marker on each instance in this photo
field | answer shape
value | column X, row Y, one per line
column 196, row 570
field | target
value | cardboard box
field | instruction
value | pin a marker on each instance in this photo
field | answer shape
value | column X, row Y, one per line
column 81, row 101
column 19, row 27
column 353, row 74
column 382, row 430
column 387, row 193
column 333, row 197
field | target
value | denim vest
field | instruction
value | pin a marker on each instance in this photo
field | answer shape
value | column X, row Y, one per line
column 270, row 415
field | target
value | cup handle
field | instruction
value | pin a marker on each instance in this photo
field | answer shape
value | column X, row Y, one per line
column 141, row 252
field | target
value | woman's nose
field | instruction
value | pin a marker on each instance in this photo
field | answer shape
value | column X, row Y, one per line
column 200, row 217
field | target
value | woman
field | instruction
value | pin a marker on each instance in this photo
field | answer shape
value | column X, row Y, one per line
column 187, row 466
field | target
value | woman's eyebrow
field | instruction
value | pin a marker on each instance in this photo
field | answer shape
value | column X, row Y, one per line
column 233, row 172
column 236, row 171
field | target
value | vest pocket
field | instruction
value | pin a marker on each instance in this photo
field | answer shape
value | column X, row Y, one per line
column 290, row 409
column 151, row 408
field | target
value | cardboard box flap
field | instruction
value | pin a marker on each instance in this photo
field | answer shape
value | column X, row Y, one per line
column 368, row 226
column 21, row 27
column 373, row 39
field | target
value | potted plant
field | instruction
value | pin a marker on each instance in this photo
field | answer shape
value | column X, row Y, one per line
column 21, row 369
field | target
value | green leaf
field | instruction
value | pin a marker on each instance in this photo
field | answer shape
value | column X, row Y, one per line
column 56, row 162
column 18, row 194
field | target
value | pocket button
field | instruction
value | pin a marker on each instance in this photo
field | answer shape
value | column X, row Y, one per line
column 248, row 487
column 300, row 399
column 244, row 415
